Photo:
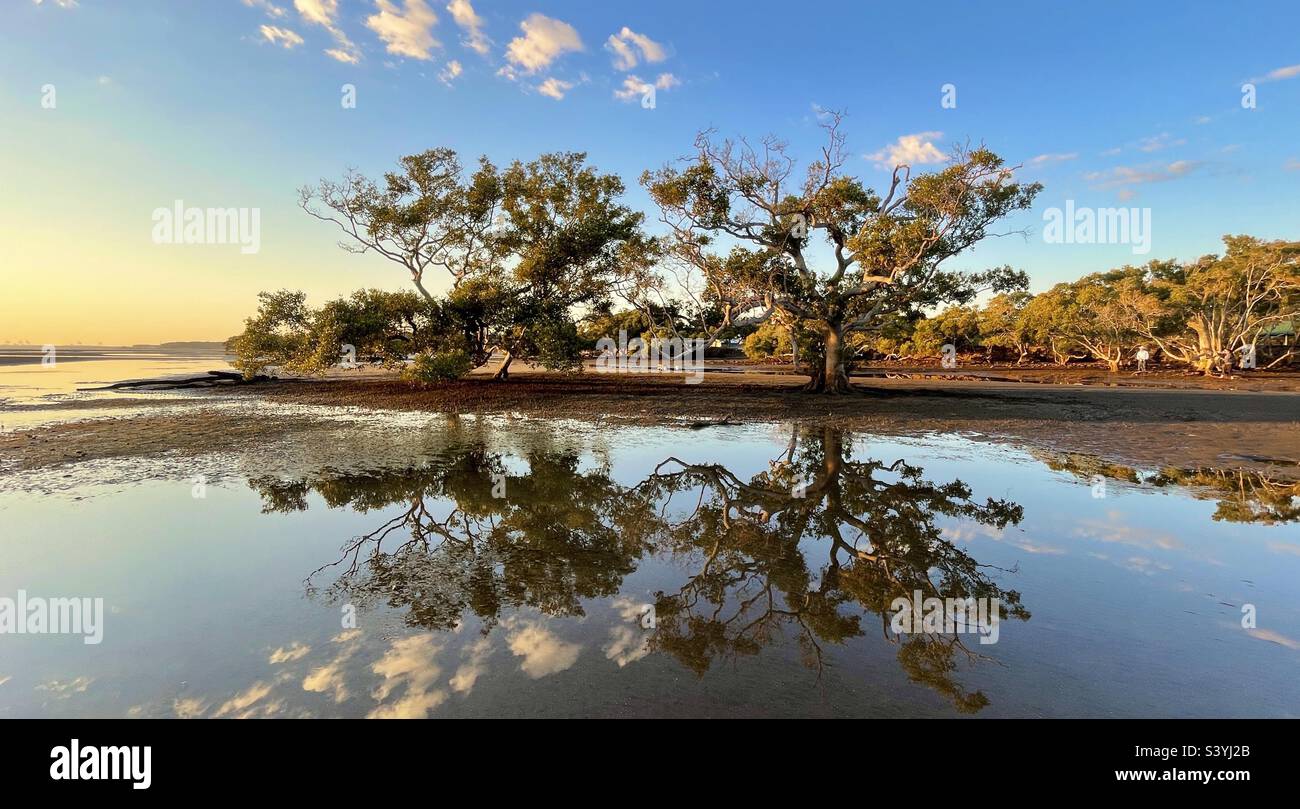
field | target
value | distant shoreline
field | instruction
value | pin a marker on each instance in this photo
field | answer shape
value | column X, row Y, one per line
column 204, row 346
column 35, row 355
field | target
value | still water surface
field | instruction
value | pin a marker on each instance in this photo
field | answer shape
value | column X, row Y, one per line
column 39, row 388
column 429, row 566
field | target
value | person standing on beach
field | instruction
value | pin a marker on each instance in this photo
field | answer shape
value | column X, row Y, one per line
column 1142, row 356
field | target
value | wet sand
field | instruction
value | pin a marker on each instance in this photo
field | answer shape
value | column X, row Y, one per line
column 1147, row 427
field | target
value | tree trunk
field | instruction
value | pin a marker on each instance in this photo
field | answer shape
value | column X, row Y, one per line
column 1207, row 347
column 832, row 377
column 504, row 371
column 419, row 284
column 1114, row 365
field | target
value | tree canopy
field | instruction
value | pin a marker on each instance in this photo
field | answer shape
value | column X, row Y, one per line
column 520, row 247
column 882, row 254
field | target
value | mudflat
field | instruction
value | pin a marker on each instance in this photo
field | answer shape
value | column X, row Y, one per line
column 1145, row 426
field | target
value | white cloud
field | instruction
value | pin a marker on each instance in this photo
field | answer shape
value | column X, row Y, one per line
column 188, row 707
column 554, row 88
column 1292, row 165
column 409, row 662
column 1157, row 142
column 914, row 150
column 1274, row 637
column 295, row 651
column 544, row 41
column 624, row 55
column 350, row 57
column 1288, row 72
column 628, row 644
column 407, row 31
column 462, row 682
column 318, row 12
column 280, row 36
column 1053, row 157
column 331, row 678
column 629, row 48
column 271, row 9
column 1122, row 176
column 542, row 651
column 62, row 690
column 634, row 88
column 450, row 73
column 472, row 24
column 251, row 703
column 60, row 3
column 325, row 14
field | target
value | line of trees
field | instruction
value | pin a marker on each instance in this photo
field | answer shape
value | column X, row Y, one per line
column 539, row 257
column 1202, row 314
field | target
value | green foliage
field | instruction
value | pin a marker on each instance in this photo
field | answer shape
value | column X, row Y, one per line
column 276, row 333
column 768, row 340
column 1196, row 310
column 880, row 255
column 553, row 343
column 525, row 247
column 846, row 269
column 1190, row 311
column 1002, row 323
column 956, row 325
column 429, row 367
column 607, row 323
column 372, row 326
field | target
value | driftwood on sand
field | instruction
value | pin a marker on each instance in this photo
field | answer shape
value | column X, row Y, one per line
column 208, row 380
column 725, row 421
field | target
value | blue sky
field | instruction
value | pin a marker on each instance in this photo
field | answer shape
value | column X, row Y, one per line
column 1106, row 103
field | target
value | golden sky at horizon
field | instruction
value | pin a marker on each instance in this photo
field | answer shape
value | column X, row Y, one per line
column 91, row 285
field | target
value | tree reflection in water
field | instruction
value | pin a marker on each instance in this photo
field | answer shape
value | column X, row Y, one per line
column 812, row 546
column 876, row 540
column 1242, row 495
column 559, row 535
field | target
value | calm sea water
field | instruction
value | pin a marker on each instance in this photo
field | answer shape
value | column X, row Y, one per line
column 421, row 566
column 38, row 387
